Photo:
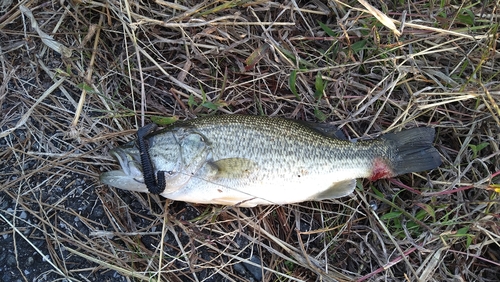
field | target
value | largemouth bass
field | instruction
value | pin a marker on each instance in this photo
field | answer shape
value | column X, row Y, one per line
column 253, row 160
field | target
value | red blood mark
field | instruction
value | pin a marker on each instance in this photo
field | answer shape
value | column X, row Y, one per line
column 380, row 169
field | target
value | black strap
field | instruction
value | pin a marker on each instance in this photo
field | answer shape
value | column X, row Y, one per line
column 155, row 185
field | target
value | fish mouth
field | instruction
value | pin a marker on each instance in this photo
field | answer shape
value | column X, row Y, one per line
column 130, row 176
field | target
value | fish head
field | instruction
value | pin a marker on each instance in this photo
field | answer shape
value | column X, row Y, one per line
column 129, row 176
column 165, row 155
column 178, row 154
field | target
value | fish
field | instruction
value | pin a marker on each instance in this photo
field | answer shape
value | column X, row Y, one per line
column 245, row 160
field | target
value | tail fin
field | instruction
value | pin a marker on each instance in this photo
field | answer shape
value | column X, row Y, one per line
column 413, row 150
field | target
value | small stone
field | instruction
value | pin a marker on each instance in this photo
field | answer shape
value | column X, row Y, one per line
column 238, row 267
column 255, row 271
column 30, row 261
column 7, row 276
column 23, row 215
column 11, row 260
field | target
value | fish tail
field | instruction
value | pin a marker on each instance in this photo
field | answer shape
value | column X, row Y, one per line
column 413, row 150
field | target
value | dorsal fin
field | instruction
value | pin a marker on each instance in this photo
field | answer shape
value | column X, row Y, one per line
column 325, row 129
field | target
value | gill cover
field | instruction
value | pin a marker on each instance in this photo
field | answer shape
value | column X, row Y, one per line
column 179, row 154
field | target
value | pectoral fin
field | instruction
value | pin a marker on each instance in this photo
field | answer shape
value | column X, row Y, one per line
column 337, row 190
column 234, row 168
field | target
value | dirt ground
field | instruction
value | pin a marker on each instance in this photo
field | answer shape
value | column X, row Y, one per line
column 79, row 77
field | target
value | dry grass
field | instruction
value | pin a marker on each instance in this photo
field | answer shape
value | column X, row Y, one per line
column 90, row 73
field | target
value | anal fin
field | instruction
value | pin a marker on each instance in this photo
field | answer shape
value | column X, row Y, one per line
column 336, row 190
